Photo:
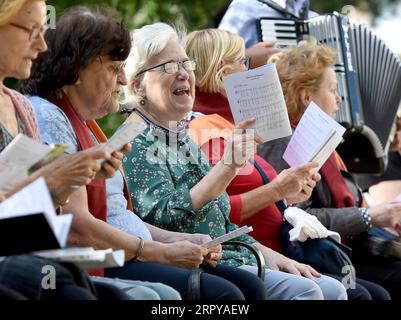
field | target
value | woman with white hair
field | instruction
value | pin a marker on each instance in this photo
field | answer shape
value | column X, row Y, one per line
column 171, row 182
column 76, row 82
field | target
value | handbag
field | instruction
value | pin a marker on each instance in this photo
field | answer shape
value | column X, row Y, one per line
column 377, row 242
column 325, row 254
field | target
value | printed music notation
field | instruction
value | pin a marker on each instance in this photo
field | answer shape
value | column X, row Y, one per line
column 315, row 138
column 257, row 94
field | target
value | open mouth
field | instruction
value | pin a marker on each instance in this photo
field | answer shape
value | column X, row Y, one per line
column 184, row 91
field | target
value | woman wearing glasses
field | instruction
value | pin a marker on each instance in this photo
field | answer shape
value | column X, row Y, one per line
column 22, row 31
column 171, row 182
column 252, row 201
column 82, row 74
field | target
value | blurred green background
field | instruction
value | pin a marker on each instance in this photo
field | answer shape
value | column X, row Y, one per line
column 195, row 14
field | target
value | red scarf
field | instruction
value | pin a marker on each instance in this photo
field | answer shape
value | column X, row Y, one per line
column 101, row 137
column 340, row 194
column 96, row 190
column 210, row 103
column 331, row 174
column 26, row 113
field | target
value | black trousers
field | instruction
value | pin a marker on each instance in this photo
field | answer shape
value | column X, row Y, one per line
column 365, row 290
column 383, row 271
column 220, row 283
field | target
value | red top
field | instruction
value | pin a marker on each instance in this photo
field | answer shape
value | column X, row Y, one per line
column 267, row 222
column 96, row 190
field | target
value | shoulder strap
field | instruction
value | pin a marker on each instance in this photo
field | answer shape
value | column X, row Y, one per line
column 280, row 9
column 280, row 204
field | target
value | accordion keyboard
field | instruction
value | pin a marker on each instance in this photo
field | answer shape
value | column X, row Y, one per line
column 368, row 77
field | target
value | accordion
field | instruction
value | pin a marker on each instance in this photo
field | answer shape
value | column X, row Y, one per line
column 369, row 83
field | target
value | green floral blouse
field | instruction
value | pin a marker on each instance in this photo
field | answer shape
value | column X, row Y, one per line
column 160, row 179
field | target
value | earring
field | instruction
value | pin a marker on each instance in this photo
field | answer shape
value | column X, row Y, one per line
column 142, row 102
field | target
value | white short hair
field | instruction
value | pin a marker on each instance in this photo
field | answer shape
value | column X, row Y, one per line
column 147, row 42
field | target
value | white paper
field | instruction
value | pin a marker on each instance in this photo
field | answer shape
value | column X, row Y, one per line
column 87, row 257
column 17, row 158
column 257, row 94
column 316, row 137
column 228, row 236
column 125, row 134
column 34, row 199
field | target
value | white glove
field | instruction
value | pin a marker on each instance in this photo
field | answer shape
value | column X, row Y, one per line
column 306, row 226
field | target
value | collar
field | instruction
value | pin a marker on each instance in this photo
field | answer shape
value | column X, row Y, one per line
column 211, row 103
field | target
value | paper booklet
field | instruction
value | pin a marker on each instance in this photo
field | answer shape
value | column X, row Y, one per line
column 124, row 134
column 21, row 157
column 228, row 236
column 257, row 94
column 316, row 137
column 29, row 223
column 87, row 257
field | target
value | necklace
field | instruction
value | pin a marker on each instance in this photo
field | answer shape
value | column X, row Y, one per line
column 160, row 132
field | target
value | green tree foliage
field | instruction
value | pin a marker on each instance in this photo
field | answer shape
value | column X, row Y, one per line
column 193, row 14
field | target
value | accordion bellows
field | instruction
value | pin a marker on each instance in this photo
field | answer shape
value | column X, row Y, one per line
column 369, row 83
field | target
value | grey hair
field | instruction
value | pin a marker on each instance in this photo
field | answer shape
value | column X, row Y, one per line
column 147, row 42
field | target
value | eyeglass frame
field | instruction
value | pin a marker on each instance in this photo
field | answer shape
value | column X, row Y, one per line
column 117, row 69
column 32, row 36
column 178, row 63
column 246, row 61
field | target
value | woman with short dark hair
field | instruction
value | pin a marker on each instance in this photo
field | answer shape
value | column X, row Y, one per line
column 81, row 75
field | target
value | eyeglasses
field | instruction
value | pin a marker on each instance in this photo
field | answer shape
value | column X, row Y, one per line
column 117, row 68
column 34, row 33
column 246, row 61
column 172, row 67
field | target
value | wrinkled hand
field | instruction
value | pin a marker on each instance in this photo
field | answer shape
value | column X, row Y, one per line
column 296, row 184
column 261, row 52
column 111, row 165
column 277, row 261
column 185, row 254
column 214, row 254
column 73, row 170
column 68, row 172
column 241, row 145
column 386, row 215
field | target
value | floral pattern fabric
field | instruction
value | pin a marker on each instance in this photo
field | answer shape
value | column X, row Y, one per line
column 160, row 178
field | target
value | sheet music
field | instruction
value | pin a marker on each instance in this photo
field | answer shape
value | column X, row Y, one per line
column 125, row 134
column 17, row 158
column 228, row 236
column 257, row 94
column 315, row 138
column 86, row 257
column 34, row 199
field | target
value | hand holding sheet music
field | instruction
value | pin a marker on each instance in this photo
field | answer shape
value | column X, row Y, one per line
column 316, row 137
column 257, row 94
column 228, row 236
column 21, row 157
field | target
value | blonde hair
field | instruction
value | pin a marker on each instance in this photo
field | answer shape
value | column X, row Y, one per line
column 209, row 48
column 300, row 68
column 9, row 9
column 147, row 42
